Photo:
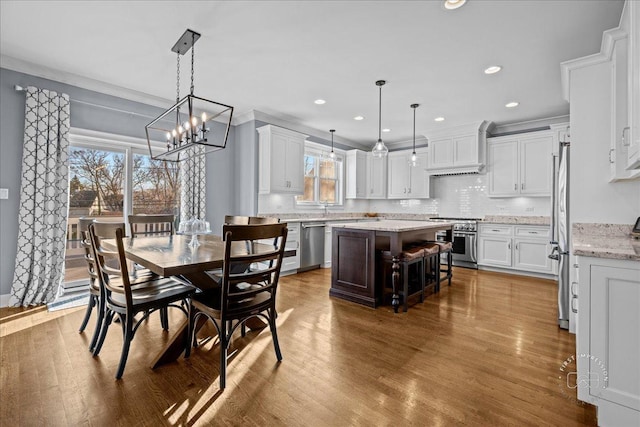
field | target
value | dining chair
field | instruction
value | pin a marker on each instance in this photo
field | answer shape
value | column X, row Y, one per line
column 242, row 295
column 236, row 220
column 95, row 296
column 124, row 298
column 151, row 224
column 263, row 220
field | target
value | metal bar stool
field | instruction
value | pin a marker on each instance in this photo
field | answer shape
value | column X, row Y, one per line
column 407, row 258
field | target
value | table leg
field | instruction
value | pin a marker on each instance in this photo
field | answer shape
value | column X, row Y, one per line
column 395, row 278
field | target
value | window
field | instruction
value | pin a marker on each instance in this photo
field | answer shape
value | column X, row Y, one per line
column 110, row 177
column 322, row 178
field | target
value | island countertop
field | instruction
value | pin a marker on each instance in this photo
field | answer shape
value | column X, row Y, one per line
column 395, row 226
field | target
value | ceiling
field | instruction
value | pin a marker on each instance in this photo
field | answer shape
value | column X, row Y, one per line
column 277, row 57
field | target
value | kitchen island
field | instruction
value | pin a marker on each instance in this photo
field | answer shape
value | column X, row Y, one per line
column 353, row 255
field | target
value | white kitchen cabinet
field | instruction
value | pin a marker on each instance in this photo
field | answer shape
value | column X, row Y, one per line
column 632, row 8
column 457, row 150
column 515, row 247
column 376, row 177
column 366, row 176
column 608, row 339
column 327, row 246
column 405, row 181
column 281, row 160
column 356, row 185
column 292, row 263
column 520, row 165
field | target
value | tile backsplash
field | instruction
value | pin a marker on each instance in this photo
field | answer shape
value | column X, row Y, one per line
column 453, row 195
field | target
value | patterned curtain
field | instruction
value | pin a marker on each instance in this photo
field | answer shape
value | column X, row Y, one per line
column 192, row 183
column 39, row 267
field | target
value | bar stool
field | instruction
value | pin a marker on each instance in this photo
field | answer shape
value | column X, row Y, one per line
column 407, row 258
column 431, row 268
column 446, row 249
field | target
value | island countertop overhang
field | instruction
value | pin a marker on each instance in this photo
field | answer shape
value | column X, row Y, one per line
column 395, row 226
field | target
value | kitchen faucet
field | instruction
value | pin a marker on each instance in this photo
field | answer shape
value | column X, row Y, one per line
column 325, row 206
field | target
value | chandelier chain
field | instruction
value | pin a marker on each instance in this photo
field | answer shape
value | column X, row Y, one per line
column 193, row 55
column 178, row 78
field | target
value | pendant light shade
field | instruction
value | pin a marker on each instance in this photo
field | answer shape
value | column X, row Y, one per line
column 332, row 154
column 379, row 149
column 413, row 160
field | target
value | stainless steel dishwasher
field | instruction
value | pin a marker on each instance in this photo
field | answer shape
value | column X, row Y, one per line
column 311, row 245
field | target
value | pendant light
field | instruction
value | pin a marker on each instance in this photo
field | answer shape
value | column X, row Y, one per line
column 332, row 154
column 379, row 149
column 414, row 157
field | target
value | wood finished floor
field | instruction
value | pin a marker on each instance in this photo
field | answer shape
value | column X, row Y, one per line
column 486, row 351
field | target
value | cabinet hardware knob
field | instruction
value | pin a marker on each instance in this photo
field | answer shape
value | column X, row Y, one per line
column 611, row 150
column 625, row 142
column 522, row 186
column 574, row 307
column 515, row 186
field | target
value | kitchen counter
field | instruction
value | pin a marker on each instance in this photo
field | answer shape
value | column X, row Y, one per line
column 521, row 220
column 395, row 226
column 315, row 217
column 612, row 241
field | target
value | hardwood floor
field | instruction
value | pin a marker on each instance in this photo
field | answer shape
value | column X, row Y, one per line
column 486, row 351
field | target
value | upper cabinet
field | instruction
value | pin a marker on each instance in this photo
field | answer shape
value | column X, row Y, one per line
column 457, row 150
column 281, row 160
column 366, row 176
column 406, row 181
column 632, row 9
column 520, row 165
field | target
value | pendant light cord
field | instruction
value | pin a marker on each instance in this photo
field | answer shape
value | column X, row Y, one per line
column 414, row 130
column 380, row 116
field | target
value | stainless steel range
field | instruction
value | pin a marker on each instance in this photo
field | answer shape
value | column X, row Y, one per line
column 465, row 239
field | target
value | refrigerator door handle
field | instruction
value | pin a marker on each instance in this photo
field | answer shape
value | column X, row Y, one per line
column 553, row 199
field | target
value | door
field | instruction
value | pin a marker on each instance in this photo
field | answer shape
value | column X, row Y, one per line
column 494, row 251
column 503, row 168
column 398, row 182
column 535, row 166
column 532, row 255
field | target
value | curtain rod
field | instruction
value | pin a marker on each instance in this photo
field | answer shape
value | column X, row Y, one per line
column 91, row 104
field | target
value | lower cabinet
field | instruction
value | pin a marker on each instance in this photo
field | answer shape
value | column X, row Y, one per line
column 292, row 263
column 515, row 247
column 608, row 339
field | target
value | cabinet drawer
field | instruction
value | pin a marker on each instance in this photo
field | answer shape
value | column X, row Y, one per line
column 542, row 232
column 496, row 230
column 293, row 232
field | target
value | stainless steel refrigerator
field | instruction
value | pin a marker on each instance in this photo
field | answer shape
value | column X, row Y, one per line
column 560, row 228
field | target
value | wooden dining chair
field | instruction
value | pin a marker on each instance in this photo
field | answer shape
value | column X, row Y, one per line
column 253, row 220
column 151, row 225
column 127, row 299
column 243, row 295
column 236, row 220
column 95, row 297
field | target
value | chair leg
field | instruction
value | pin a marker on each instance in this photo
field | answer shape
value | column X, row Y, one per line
column 190, row 331
column 87, row 315
column 99, row 322
column 164, row 318
column 422, row 281
column 224, row 345
column 243, row 330
column 127, row 336
column 274, row 334
column 449, row 265
column 438, row 272
column 405, row 285
column 103, row 331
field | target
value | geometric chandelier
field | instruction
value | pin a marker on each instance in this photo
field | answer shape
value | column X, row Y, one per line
column 193, row 126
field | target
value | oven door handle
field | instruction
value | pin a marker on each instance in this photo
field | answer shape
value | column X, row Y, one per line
column 472, row 243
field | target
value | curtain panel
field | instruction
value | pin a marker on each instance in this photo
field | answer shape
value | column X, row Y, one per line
column 39, row 266
column 192, row 185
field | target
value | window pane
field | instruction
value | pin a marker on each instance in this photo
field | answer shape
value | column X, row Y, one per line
column 309, row 165
column 156, row 186
column 96, row 183
column 328, row 169
column 308, row 195
column 327, row 190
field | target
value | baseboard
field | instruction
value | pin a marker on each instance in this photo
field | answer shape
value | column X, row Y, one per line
column 4, row 300
column 518, row 272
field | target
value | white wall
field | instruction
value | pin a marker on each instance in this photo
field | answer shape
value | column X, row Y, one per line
column 592, row 197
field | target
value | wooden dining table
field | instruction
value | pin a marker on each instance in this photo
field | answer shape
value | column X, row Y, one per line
column 171, row 255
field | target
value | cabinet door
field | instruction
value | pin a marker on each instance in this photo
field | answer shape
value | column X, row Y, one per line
column 535, row 166
column 295, row 165
column 614, row 337
column 633, row 134
column 503, row 168
column 398, row 173
column 377, row 177
column 440, row 153
column 327, row 246
column 465, row 150
column 418, row 178
column 356, row 175
column 531, row 255
column 494, row 251
column 279, row 178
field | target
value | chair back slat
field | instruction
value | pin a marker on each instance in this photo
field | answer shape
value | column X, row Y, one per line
column 151, row 225
column 236, row 220
column 254, row 220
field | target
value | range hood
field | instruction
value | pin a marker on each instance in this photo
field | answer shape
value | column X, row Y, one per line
column 458, row 150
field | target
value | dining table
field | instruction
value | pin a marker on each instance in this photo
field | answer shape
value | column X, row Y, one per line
column 172, row 255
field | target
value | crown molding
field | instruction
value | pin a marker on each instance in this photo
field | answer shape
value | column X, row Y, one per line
column 609, row 39
column 77, row 80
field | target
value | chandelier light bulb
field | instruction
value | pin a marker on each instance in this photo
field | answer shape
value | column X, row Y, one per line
column 180, row 129
column 168, row 136
column 187, row 125
column 204, row 117
column 174, row 133
column 194, row 121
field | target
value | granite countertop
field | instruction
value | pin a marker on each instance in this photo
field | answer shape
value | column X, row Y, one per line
column 395, row 225
column 605, row 241
column 317, row 217
column 511, row 219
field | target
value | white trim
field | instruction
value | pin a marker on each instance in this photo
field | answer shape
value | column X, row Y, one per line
column 4, row 300
column 609, row 39
column 92, row 138
column 77, row 80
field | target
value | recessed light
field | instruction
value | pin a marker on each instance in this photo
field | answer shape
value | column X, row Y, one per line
column 492, row 69
column 319, row 101
column 512, row 104
column 358, row 118
column 386, row 130
column 453, row 4
column 439, row 119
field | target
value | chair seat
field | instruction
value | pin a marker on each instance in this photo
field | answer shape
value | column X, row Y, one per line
column 210, row 303
column 445, row 246
column 431, row 249
column 154, row 291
